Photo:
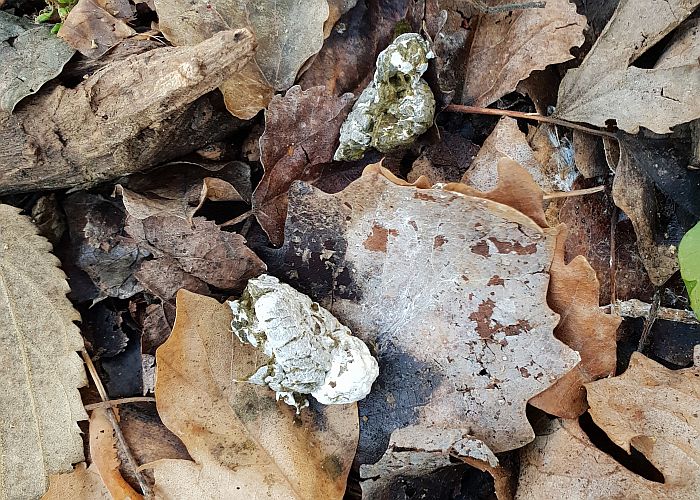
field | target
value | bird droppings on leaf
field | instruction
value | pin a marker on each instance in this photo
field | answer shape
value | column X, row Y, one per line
column 308, row 350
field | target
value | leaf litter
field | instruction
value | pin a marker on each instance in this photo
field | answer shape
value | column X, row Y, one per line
column 496, row 362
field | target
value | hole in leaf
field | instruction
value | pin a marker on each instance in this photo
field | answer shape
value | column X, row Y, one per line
column 635, row 461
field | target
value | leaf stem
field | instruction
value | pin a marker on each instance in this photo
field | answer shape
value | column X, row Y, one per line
column 112, row 416
column 474, row 110
column 116, row 402
column 576, row 192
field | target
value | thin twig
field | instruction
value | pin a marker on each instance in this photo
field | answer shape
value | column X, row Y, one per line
column 488, row 9
column 576, row 192
column 634, row 308
column 474, row 110
column 613, row 254
column 122, row 401
column 238, row 219
column 112, row 417
column 649, row 322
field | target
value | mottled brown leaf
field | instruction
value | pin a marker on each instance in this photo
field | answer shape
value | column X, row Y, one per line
column 432, row 278
column 244, row 443
column 301, row 135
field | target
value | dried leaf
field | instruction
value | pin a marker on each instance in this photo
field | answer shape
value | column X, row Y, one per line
column 99, row 247
column 103, row 453
column 244, row 443
column 92, row 30
column 34, row 57
column 607, row 87
column 81, row 484
column 39, row 402
column 346, row 61
column 336, row 9
column 431, row 277
column 635, row 194
column 650, row 408
column 574, row 294
column 192, row 253
column 508, row 46
column 188, row 23
column 506, row 141
column 301, row 135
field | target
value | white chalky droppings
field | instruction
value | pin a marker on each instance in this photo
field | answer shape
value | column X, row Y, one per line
column 309, row 350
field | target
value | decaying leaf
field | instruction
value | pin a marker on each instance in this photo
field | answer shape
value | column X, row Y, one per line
column 451, row 288
column 301, row 134
column 650, row 408
column 508, row 46
column 34, row 57
column 574, row 295
column 181, row 190
column 191, row 253
column 336, row 8
column 41, row 372
column 81, row 484
column 244, row 443
column 507, row 141
column 99, row 247
column 103, row 453
column 92, row 30
column 634, row 193
column 608, row 87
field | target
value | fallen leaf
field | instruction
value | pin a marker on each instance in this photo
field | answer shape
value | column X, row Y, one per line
column 607, row 87
column 301, row 135
column 649, row 408
column 508, row 46
column 635, row 194
column 446, row 161
column 34, row 57
column 81, row 484
column 589, row 156
column 103, row 453
column 98, row 246
column 243, row 442
column 156, row 327
column 180, row 189
column 346, row 61
column 40, row 402
column 49, row 219
column 188, row 23
column 574, row 295
column 92, row 30
column 431, row 277
column 336, row 9
column 192, row 254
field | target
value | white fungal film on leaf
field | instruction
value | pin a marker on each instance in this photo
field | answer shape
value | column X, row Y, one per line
column 309, row 351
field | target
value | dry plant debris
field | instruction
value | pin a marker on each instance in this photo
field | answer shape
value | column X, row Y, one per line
column 179, row 155
column 41, row 372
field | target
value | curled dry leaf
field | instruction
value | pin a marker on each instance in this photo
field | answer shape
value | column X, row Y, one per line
column 301, row 134
column 103, row 453
column 450, row 288
column 574, row 294
column 41, row 372
column 92, row 30
column 244, row 443
column 650, row 408
column 607, row 87
column 508, row 46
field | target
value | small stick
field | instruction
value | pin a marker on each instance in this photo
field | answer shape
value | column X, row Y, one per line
column 122, row 401
column 576, row 192
column 649, row 322
column 238, row 219
column 112, row 417
column 474, row 110
column 634, row 308
column 488, row 9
